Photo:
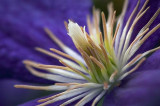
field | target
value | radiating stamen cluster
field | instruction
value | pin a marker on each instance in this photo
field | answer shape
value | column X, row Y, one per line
column 105, row 58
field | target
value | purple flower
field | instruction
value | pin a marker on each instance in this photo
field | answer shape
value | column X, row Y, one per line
column 108, row 66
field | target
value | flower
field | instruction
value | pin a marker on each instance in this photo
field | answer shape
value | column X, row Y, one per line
column 103, row 63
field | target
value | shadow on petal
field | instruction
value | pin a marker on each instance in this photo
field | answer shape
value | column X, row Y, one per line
column 138, row 89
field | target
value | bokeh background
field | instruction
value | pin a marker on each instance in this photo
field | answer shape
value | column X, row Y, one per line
column 11, row 10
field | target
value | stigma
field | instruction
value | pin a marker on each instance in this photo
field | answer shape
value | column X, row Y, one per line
column 103, row 61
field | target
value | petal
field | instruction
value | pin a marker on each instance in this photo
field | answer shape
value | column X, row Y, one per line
column 13, row 96
column 22, row 29
column 12, row 55
column 152, row 62
column 139, row 89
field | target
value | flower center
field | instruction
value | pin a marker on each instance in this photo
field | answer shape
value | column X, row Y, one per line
column 105, row 58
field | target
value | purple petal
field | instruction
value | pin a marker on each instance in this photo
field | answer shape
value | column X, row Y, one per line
column 11, row 96
column 22, row 29
column 139, row 89
column 152, row 62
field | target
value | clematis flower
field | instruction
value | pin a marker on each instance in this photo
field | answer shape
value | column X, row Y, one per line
column 105, row 63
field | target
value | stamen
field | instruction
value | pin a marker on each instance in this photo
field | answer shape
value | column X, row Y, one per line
column 140, row 36
column 134, row 49
column 63, row 46
column 61, row 58
column 51, row 76
column 111, row 79
column 115, row 34
column 110, row 10
column 88, row 97
column 128, row 36
column 126, row 55
column 143, row 7
column 84, row 57
column 96, row 23
column 92, row 43
column 52, row 97
column 135, row 68
column 78, row 72
column 54, row 38
column 105, row 85
column 56, row 97
column 150, row 33
column 30, row 63
column 104, row 27
column 74, row 99
column 53, row 66
column 112, row 24
column 37, row 65
column 89, row 25
column 87, row 85
column 48, row 53
column 101, row 39
column 52, row 87
column 66, row 84
column 97, row 62
column 120, row 20
column 98, row 97
column 131, row 62
column 60, row 70
column 151, row 20
column 143, row 55
column 91, row 67
column 70, row 57
column 104, row 53
column 102, row 68
column 66, row 25
column 125, row 30
column 61, row 97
